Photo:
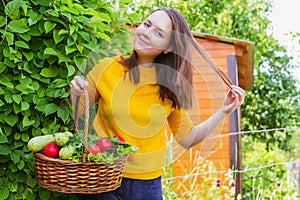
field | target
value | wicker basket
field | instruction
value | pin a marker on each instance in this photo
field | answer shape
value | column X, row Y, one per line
column 82, row 177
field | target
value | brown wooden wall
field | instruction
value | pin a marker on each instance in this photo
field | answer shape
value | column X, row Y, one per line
column 210, row 92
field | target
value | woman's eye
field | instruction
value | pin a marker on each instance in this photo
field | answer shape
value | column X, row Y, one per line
column 146, row 24
column 159, row 34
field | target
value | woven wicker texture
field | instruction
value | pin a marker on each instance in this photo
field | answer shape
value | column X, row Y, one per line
column 83, row 177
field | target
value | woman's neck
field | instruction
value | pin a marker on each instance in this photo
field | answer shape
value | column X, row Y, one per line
column 146, row 62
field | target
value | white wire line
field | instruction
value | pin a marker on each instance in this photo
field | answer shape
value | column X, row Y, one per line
column 245, row 170
column 254, row 131
column 231, row 171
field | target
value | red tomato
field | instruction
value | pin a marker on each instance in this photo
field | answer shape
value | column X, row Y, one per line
column 94, row 149
column 121, row 140
column 104, row 144
column 51, row 150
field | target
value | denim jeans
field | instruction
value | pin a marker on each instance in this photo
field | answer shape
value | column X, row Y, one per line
column 131, row 189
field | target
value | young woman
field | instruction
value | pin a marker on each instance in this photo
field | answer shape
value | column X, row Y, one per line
column 139, row 93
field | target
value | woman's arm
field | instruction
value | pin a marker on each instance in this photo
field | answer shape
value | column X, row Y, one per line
column 234, row 98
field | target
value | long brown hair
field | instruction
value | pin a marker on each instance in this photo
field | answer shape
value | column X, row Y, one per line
column 174, row 70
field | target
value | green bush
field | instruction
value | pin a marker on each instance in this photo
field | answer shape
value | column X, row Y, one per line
column 267, row 177
column 44, row 44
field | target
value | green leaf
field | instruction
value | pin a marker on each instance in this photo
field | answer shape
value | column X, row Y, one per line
column 22, row 44
column 42, row 2
column 104, row 17
column 72, row 29
column 11, row 120
column 15, row 157
column 2, row 21
column 49, row 26
column 63, row 114
column 17, row 136
column 44, row 194
column 18, row 144
column 2, row 67
column 3, row 138
column 9, row 38
column 62, row 32
column 4, row 193
column 25, row 36
column 32, row 182
column 16, row 109
column 17, row 26
column 1, row 103
column 91, row 45
column 46, row 72
column 12, row 186
column 50, row 108
column 67, row 15
column 4, row 80
column 50, row 51
column 24, row 105
column 85, row 35
column 53, row 12
column 4, row 149
column 34, row 18
column 69, row 49
column 26, row 122
column 12, row 8
column 62, row 58
column 21, row 164
column 28, row 55
column 57, row 38
column 25, row 8
column 17, row 98
column 59, row 83
column 71, row 70
column 25, row 137
column 34, row 31
column 80, row 62
column 102, row 36
column 80, row 48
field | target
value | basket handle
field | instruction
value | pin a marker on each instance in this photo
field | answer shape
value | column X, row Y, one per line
column 86, row 123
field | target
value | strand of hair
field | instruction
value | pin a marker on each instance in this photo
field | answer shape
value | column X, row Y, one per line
column 206, row 57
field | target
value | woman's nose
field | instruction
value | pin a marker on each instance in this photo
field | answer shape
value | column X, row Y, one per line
column 147, row 32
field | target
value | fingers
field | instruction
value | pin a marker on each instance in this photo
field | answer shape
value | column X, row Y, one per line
column 78, row 85
column 239, row 94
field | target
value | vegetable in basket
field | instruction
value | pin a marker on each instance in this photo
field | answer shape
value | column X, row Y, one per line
column 67, row 152
column 37, row 143
column 109, row 149
column 51, row 150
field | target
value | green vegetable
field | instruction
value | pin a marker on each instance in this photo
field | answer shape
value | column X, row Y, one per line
column 77, row 140
column 62, row 138
column 67, row 151
column 112, row 154
column 39, row 142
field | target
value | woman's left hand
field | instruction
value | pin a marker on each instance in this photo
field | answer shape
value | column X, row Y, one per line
column 234, row 98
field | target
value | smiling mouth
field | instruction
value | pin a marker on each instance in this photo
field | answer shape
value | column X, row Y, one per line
column 143, row 41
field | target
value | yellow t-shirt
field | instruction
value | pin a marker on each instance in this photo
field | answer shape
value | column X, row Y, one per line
column 136, row 113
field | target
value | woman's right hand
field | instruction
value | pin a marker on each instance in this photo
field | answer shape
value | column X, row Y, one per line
column 78, row 85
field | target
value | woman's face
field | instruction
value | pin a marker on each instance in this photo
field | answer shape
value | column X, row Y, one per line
column 153, row 36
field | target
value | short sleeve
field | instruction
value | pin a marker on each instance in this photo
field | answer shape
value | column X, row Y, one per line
column 180, row 123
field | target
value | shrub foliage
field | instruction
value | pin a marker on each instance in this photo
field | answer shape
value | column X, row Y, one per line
column 44, row 44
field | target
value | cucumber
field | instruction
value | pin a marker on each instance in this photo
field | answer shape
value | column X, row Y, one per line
column 39, row 142
column 62, row 138
column 67, row 152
